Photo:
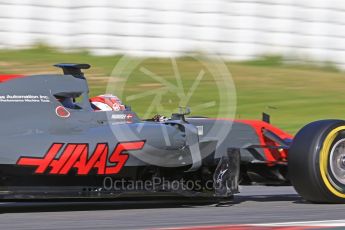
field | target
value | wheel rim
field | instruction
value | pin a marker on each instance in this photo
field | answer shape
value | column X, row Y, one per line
column 335, row 187
column 337, row 161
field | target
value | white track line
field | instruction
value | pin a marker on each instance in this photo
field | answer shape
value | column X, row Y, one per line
column 321, row 223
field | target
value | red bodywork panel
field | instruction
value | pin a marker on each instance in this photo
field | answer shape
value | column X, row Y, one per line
column 272, row 154
column 8, row 77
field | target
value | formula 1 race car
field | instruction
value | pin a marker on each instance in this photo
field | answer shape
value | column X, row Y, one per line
column 56, row 142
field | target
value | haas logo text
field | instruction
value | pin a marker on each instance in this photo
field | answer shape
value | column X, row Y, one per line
column 76, row 156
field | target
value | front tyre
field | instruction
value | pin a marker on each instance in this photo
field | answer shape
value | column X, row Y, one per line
column 316, row 162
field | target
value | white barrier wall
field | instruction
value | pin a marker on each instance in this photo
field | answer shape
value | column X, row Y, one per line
column 236, row 29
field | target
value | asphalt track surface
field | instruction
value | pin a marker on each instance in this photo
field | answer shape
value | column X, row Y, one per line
column 254, row 205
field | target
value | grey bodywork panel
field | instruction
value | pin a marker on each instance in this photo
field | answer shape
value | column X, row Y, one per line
column 240, row 135
column 30, row 125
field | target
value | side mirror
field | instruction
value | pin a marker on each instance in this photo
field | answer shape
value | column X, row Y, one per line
column 181, row 114
column 184, row 110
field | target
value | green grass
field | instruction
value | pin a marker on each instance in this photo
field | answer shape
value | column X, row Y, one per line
column 294, row 94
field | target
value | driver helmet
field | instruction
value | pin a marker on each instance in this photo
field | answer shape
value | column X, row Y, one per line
column 107, row 102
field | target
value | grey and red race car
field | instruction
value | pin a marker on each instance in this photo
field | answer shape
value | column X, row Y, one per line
column 57, row 142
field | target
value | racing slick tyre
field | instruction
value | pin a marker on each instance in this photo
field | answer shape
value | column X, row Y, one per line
column 316, row 162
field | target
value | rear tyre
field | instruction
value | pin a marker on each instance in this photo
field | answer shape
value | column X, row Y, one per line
column 316, row 162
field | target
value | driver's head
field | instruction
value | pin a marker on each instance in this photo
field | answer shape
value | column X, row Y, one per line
column 107, row 102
